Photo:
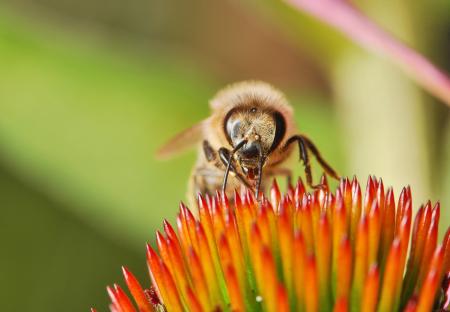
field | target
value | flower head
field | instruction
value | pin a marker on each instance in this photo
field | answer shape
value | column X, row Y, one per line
column 299, row 251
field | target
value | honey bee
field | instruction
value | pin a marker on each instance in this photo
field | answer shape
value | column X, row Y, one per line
column 246, row 141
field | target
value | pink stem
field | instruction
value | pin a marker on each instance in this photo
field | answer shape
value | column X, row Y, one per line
column 358, row 27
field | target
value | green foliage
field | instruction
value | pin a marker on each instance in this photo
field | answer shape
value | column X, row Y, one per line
column 79, row 122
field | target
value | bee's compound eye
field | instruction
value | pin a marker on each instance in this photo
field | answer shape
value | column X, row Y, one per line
column 233, row 129
column 280, row 129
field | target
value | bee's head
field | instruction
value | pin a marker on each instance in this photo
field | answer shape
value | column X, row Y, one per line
column 262, row 130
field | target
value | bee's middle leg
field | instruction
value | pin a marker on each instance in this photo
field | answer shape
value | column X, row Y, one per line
column 304, row 144
column 328, row 169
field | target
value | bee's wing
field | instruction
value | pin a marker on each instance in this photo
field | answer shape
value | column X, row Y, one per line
column 182, row 141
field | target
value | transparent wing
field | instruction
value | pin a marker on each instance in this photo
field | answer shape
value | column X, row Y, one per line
column 181, row 142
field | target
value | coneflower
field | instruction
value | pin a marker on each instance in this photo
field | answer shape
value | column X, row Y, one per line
column 300, row 251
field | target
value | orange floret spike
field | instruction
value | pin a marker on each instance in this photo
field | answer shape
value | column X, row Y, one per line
column 391, row 276
column 374, row 233
column 346, row 190
column 173, row 300
column 429, row 248
column 163, row 250
column 124, row 302
column 237, row 255
column 136, row 291
column 424, row 225
column 154, row 267
column 219, row 223
column 234, row 289
column 355, row 212
column 275, row 195
column 205, row 216
column 244, row 220
column 199, row 281
column 446, row 259
column 323, row 256
column 304, row 222
column 264, row 224
column 286, row 241
column 404, row 200
column 299, row 269
column 414, row 238
column 270, row 282
column 290, row 191
column 329, row 207
column 415, row 256
column 316, row 204
column 224, row 202
column 388, row 227
column 190, row 223
column 412, row 305
column 370, row 294
column 115, row 305
column 299, row 191
column 340, row 219
column 251, row 203
column 369, row 196
column 324, row 183
column 341, row 305
column 211, row 275
column 182, row 234
column 339, row 232
column 428, row 292
column 421, row 227
column 311, row 292
column 255, row 249
column 168, row 229
column 437, row 261
column 282, row 299
column 381, row 198
column 178, row 269
column 311, row 252
column 217, row 208
column 112, row 308
column 361, row 255
column 344, row 269
column 403, row 236
column 192, row 301
column 436, row 214
column 225, row 252
column 174, row 248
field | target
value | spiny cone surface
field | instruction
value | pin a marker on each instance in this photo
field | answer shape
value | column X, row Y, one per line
column 318, row 251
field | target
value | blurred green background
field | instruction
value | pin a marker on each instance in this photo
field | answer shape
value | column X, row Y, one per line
column 90, row 89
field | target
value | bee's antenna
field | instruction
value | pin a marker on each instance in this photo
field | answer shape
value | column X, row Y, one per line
column 227, row 171
column 260, row 165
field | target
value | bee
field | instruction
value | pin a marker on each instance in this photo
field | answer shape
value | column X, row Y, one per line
column 246, row 141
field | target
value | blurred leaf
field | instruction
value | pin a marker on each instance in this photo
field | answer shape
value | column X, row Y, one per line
column 82, row 121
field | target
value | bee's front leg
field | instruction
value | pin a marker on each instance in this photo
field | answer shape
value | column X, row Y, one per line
column 224, row 155
column 220, row 160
